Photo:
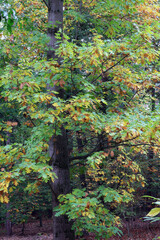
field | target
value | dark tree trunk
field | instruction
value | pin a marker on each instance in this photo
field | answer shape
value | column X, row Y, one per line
column 151, row 151
column 8, row 221
column 40, row 220
column 23, row 228
column 61, row 185
column 55, row 20
column 82, row 171
column 58, row 144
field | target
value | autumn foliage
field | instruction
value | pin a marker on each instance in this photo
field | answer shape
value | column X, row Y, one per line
column 102, row 89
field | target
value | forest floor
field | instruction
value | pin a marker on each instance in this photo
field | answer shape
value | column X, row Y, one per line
column 132, row 230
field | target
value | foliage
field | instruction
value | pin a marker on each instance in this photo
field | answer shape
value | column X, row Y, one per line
column 89, row 211
column 24, row 206
column 152, row 215
column 7, row 16
column 109, row 68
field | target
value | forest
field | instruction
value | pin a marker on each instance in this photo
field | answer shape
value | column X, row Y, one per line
column 79, row 119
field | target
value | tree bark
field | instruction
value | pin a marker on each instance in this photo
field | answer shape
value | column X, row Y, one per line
column 58, row 144
column 60, row 162
column 8, row 221
column 55, row 20
column 151, row 149
column 82, row 172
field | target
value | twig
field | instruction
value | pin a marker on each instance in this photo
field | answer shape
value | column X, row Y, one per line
column 45, row 2
column 110, row 68
column 86, row 155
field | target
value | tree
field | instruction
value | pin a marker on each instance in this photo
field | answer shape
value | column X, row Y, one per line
column 93, row 84
column 58, row 151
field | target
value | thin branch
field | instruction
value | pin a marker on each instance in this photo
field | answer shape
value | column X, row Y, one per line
column 127, row 140
column 86, row 155
column 128, row 102
column 138, row 144
column 75, row 163
column 50, row 185
column 96, row 149
column 45, row 2
column 110, row 68
column 108, row 147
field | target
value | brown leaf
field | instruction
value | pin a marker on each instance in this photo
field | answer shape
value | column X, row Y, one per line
column 61, row 83
column 112, row 154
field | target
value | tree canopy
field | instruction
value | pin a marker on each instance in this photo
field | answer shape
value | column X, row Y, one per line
column 90, row 96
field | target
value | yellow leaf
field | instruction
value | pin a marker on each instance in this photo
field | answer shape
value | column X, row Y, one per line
column 32, row 108
column 7, row 182
column 143, row 184
column 15, row 182
column 28, row 170
column 83, row 214
column 133, row 177
column 55, row 105
column 130, row 190
column 1, row 199
column 6, row 199
column 10, row 189
column 154, row 212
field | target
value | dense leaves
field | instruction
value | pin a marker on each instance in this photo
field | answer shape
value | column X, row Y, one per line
column 102, row 88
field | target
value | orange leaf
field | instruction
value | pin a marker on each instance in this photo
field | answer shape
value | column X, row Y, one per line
column 112, row 154
column 61, row 83
column 88, row 205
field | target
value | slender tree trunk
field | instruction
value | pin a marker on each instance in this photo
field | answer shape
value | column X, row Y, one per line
column 8, row 221
column 82, row 172
column 151, row 151
column 58, row 144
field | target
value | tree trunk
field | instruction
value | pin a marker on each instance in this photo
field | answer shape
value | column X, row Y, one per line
column 55, row 20
column 58, row 144
column 61, row 185
column 151, row 151
column 82, row 171
column 8, row 221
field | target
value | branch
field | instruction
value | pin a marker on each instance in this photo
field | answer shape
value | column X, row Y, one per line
column 108, row 147
column 127, row 140
column 110, row 68
column 45, row 2
column 75, row 163
column 82, row 156
column 112, row 65
column 107, row 68
column 50, row 185
column 138, row 144
column 99, row 149
column 86, row 155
